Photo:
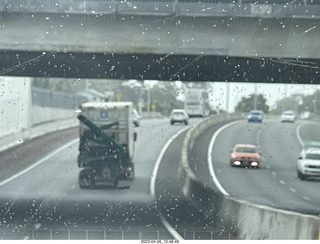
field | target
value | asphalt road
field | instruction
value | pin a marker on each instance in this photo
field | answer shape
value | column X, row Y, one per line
column 44, row 201
column 276, row 183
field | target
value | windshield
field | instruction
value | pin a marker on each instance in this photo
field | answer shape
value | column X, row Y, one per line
column 119, row 120
column 313, row 156
column 246, row 150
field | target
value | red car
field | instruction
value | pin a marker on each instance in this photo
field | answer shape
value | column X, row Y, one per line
column 245, row 155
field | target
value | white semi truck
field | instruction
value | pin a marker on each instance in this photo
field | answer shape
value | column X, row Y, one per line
column 106, row 143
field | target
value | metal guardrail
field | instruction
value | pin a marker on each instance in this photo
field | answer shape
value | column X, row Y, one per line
column 205, row 8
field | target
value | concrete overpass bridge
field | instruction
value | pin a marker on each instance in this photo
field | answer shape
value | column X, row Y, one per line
column 265, row 41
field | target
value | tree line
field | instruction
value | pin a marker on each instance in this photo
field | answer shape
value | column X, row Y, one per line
column 299, row 103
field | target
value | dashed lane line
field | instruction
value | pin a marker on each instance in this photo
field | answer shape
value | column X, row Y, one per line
column 293, row 190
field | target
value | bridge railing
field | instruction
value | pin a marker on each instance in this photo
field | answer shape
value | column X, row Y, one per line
column 243, row 8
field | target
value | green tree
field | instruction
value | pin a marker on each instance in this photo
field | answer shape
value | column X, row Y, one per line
column 293, row 102
column 311, row 103
column 248, row 103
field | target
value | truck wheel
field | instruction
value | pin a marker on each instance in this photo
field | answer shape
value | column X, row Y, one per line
column 85, row 182
column 115, row 183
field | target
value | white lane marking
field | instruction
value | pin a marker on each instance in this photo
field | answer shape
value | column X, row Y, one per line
column 306, row 198
column 282, row 182
column 172, row 231
column 298, row 135
column 292, row 189
column 209, row 156
column 258, row 136
column 158, row 161
column 12, row 144
column 37, row 163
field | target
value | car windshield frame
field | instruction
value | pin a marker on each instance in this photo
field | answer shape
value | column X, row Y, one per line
column 289, row 113
column 246, row 150
column 313, row 156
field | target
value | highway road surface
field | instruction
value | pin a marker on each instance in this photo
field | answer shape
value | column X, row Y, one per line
column 276, row 183
column 41, row 198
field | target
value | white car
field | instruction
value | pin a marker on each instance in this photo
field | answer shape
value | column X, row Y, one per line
column 288, row 116
column 179, row 115
column 308, row 163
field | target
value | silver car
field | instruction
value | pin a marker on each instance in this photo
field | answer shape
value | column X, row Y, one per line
column 179, row 115
column 308, row 163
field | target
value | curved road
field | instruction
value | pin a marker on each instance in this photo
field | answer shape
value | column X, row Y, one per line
column 44, row 200
column 276, row 183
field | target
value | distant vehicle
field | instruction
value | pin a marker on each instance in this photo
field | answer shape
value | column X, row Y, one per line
column 106, row 143
column 196, row 103
column 213, row 112
column 288, row 116
column 255, row 116
column 245, row 155
column 179, row 115
column 136, row 117
column 305, row 115
column 308, row 163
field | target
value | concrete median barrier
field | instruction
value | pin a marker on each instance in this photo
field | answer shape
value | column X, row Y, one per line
column 241, row 218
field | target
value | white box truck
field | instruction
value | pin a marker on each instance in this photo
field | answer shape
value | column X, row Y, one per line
column 196, row 102
column 106, row 143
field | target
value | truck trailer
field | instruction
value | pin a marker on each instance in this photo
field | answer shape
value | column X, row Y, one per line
column 106, row 145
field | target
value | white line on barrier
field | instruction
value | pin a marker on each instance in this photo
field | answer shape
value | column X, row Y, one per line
column 37, row 163
column 210, row 165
